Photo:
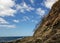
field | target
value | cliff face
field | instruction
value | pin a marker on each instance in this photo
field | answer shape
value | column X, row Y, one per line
column 49, row 30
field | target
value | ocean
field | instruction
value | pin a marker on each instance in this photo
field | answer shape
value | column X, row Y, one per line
column 7, row 39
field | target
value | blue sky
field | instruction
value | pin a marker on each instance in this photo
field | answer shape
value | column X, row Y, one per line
column 20, row 17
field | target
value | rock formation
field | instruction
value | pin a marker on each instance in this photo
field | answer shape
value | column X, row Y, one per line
column 49, row 30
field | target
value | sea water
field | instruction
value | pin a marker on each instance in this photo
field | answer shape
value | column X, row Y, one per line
column 7, row 39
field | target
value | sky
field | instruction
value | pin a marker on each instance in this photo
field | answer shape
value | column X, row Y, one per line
column 20, row 17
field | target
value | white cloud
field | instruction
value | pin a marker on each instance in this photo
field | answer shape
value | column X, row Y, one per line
column 25, row 18
column 7, row 26
column 34, row 21
column 24, row 7
column 16, row 21
column 32, row 1
column 5, row 8
column 40, row 12
column 3, row 21
column 49, row 3
column 7, row 12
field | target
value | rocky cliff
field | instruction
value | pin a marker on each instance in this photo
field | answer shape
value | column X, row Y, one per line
column 49, row 30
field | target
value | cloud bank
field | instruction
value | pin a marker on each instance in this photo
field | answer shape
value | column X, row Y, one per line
column 49, row 3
